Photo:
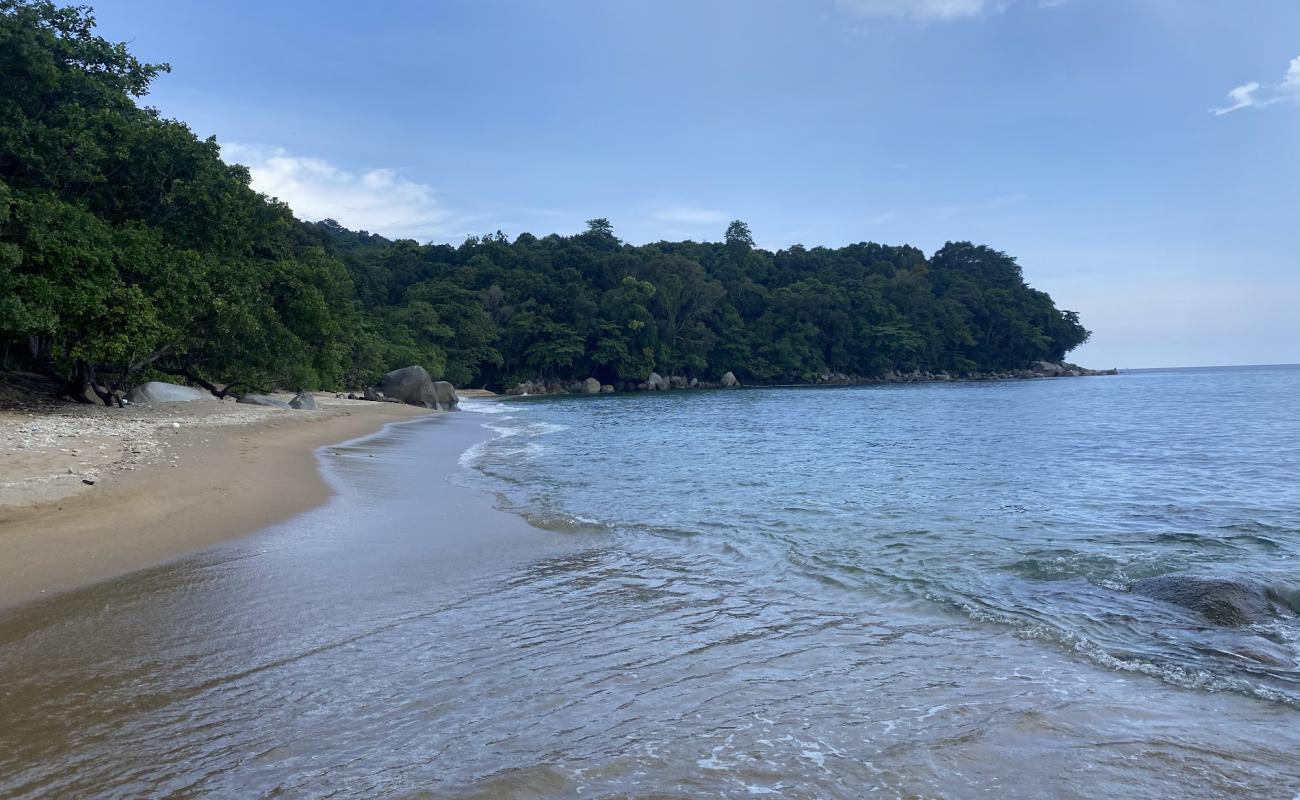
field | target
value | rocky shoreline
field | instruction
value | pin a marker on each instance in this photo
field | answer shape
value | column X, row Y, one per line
column 656, row 382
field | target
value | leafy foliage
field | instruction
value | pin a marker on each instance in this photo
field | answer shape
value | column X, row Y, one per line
column 127, row 247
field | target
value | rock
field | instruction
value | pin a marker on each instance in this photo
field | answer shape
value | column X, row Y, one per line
column 304, row 401
column 656, row 383
column 352, row 396
column 261, row 400
column 444, row 395
column 677, row 382
column 160, row 392
column 370, row 394
column 591, row 386
column 729, row 379
column 1047, row 369
column 695, row 382
column 606, row 388
column 1220, row 600
column 411, row 385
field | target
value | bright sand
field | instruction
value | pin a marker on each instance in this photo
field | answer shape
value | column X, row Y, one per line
column 167, row 480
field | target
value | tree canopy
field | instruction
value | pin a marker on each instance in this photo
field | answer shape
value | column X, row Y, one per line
column 129, row 248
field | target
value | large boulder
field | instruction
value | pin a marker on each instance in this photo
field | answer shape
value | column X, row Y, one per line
column 410, row 385
column 262, row 400
column 304, row 401
column 1222, row 601
column 591, row 386
column 160, row 392
column 444, row 395
column 729, row 379
column 656, row 383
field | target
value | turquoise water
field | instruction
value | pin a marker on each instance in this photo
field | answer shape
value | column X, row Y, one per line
column 1030, row 507
column 918, row 591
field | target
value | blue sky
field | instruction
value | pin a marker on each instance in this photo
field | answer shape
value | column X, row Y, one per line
column 1140, row 157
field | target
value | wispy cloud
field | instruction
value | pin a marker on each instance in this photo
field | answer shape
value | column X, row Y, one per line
column 376, row 200
column 1259, row 95
column 921, row 10
column 687, row 215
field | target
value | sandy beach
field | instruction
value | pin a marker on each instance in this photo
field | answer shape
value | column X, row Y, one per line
column 88, row 492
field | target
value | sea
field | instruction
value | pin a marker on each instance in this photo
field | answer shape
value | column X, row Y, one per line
column 896, row 591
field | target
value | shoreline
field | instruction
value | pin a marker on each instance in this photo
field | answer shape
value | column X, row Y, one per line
column 200, row 475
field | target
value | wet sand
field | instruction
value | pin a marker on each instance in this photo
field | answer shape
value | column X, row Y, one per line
column 131, row 687
column 159, row 491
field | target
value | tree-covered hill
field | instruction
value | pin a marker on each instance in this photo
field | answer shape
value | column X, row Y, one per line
column 128, row 248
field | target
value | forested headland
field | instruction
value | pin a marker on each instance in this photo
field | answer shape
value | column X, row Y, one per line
column 129, row 250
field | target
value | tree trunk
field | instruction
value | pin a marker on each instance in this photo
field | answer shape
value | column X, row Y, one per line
column 83, row 382
column 194, row 378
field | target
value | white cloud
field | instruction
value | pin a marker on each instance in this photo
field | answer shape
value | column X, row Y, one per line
column 377, row 200
column 1257, row 95
column 686, row 215
column 923, row 10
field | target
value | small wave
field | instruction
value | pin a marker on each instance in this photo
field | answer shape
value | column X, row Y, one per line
column 1184, row 677
column 470, row 458
column 488, row 407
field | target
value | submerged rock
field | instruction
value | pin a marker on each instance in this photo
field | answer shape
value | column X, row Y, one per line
column 1222, row 601
column 160, row 392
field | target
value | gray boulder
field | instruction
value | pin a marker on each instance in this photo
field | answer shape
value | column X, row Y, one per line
column 1220, row 600
column 262, row 400
column 410, row 385
column 729, row 379
column 656, row 383
column 444, row 395
column 607, row 388
column 591, row 386
column 160, row 392
column 304, row 401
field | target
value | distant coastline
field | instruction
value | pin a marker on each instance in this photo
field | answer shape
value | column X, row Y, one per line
column 655, row 382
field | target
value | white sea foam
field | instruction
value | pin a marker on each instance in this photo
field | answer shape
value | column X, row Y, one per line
column 487, row 406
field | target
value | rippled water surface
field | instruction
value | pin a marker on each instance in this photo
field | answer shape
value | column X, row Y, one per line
column 908, row 591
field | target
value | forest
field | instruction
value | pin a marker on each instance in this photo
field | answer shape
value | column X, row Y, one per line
column 129, row 250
